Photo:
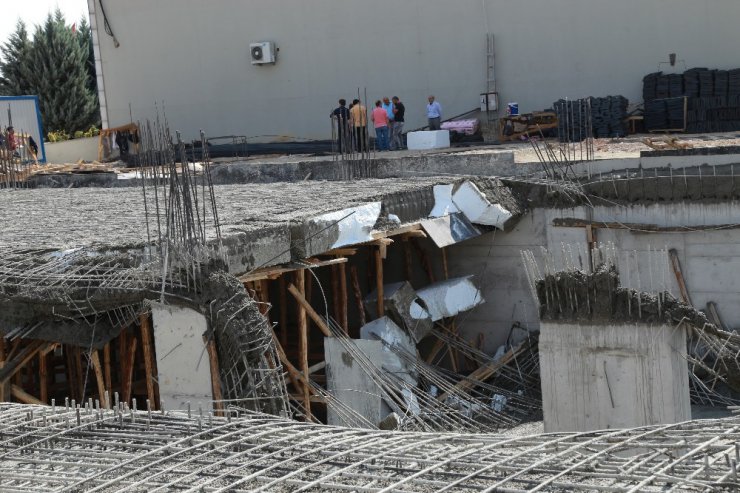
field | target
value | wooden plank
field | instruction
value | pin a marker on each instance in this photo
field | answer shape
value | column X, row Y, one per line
column 343, row 316
column 128, row 373
column 99, row 378
column 276, row 271
column 218, row 397
column 379, row 282
column 24, row 397
column 676, row 266
column 12, row 366
column 358, row 294
column 395, row 232
column 293, row 374
column 147, row 348
column 342, row 252
column 484, row 372
column 300, row 280
column 283, row 288
column 308, row 309
column 335, row 293
column 568, row 222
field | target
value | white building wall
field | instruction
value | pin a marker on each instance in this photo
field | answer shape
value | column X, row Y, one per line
column 194, row 55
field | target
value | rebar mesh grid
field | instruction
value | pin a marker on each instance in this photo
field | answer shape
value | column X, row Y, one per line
column 72, row 449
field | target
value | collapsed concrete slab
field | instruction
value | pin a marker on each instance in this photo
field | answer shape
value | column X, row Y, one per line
column 404, row 307
column 395, row 340
column 477, row 208
column 450, row 229
column 448, row 298
column 348, row 226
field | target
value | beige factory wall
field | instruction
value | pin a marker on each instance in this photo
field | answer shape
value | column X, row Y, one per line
column 194, row 55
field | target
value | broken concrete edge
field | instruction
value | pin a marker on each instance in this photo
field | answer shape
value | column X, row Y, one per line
column 577, row 296
column 448, row 298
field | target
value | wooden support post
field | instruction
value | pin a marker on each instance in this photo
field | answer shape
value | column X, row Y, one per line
column 335, row 293
column 128, row 373
column 445, row 271
column 424, row 259
column 43, row 377
column 13, row 365
column 265, row 298
column 676, row 266
column 71, row 377
column 407, row 262
column 282, row 286
column 379, row 282
column 122, row 357
column 23, row 396
column 358, row 294
column 292, row 370
column 300, row 280
column 106, row 367
column 303, row 305
column 218, row 397
column 343, row 297
column 148, row 351
column 97, row 367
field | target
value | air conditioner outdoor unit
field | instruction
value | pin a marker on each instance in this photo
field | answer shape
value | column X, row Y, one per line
column 263, row 52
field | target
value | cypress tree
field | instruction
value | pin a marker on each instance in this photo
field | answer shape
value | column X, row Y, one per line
column 60, row 77
column 14, row 65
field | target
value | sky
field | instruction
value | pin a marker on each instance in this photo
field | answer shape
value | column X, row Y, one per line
column 34, row 12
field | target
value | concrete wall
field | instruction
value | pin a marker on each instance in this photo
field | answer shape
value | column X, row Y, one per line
column 710, row 260
column 71, row 151
column 596, row 377
column 194, row 56
column 182, row 361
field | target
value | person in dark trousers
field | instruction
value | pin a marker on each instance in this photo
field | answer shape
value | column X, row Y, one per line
column 380, row 120
column 341, row 117
column 399, row 112
column 434, row 114
column 358, row 117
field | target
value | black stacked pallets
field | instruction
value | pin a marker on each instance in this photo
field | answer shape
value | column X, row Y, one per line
column 607, row 114
column 699, row 100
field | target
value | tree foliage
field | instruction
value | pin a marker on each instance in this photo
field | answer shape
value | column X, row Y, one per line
column 58, row 66
column 14, row 66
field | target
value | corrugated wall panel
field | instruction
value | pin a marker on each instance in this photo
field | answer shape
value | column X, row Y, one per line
column 23, row 112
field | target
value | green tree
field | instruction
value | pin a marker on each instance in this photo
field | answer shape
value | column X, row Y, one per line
column 14, row 64
column 60, row 77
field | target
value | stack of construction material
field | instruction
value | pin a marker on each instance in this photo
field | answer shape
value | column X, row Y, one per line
column 699, row 100
column 597, row 117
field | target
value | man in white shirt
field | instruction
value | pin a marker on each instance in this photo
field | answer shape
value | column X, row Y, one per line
column 434, row 114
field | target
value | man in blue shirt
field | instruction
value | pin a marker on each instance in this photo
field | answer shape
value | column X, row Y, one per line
column 434, row 114
column 388, row 107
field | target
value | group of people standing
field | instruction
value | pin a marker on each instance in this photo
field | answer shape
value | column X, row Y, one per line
column 388, row 118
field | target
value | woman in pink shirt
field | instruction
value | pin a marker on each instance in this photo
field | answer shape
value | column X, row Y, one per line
column 380, row 120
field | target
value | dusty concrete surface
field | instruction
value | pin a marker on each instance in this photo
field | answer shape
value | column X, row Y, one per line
column 72, row 218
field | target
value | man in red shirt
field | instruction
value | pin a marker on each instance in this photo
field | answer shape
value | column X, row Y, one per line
column 380, row 120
